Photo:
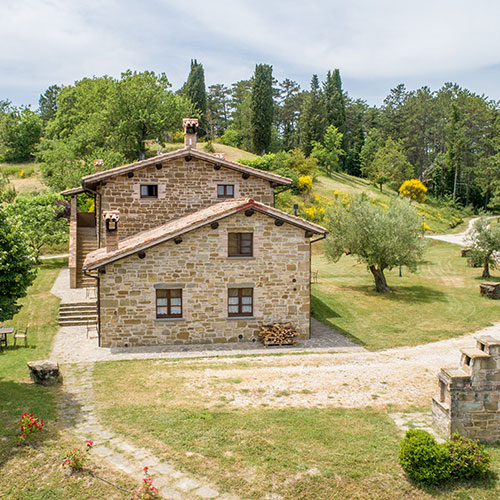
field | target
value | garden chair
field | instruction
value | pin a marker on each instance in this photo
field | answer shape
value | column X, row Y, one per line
column 315, row 276
column 21, row 333
column 3, row 340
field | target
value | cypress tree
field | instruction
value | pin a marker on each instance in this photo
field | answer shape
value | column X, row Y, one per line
column 334, row 101
column 312, row 117
column 262, row 108
column 194, row 90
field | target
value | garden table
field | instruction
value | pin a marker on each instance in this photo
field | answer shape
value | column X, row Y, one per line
column 3, row 336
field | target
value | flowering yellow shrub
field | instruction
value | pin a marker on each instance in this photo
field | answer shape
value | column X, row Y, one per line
column 413, row 189
column 305, row 183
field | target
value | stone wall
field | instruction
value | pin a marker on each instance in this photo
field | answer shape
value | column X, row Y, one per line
column 468, row 397
column 183, row 187
column 72, row 259
column 279, row 272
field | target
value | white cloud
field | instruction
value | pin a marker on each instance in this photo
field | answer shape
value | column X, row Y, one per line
column 57, row 41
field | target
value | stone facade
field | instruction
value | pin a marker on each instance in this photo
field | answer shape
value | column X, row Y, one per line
column 278, row 272
column 468, row 401
column 183, row 187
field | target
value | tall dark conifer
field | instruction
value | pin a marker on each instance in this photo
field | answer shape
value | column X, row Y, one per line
column 262, row 108
column 334, row 101
column 194, row 89
column 312, row 118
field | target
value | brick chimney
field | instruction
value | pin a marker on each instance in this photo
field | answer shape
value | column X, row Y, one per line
column 190, row 132
column 111, row 218
column 98, row 165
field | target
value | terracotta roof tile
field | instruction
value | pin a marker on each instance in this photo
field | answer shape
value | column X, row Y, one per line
column 176, row 227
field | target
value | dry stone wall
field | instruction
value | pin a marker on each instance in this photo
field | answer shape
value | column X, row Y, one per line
column 279, row 273
column 183, row 187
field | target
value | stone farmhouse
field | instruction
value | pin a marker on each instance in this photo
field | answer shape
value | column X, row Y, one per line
column 187, row 247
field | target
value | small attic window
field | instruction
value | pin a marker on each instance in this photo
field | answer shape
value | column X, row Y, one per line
column 149, row 190
column 225, row 191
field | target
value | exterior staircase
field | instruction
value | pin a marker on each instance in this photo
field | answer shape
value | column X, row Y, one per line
column 87, row 242
column 78, row 314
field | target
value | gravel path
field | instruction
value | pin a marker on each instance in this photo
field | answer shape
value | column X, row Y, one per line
column 458, row 239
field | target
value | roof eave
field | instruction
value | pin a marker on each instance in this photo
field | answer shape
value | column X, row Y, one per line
column 300, row 223
column 94, row 179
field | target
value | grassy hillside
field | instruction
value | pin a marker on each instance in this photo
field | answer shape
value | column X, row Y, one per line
column 438, row 217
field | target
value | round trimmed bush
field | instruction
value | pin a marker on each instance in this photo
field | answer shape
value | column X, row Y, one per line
column 423, row 459
column 468, row 458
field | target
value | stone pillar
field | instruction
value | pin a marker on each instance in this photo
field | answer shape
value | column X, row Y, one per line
column 73, row 243
column 468, row 399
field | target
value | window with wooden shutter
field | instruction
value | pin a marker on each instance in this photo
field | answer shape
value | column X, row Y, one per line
column 240, row 244
column 225, row 191
column 240, row 302
column 169, row 303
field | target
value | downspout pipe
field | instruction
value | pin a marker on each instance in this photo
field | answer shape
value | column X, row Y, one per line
column 322, row 237
column 98, row 288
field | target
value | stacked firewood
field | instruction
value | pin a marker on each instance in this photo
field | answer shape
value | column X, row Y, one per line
column 278, row 334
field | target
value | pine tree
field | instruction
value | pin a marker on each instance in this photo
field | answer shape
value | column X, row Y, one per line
column 312, row 118
column 262, row 108
column 334, row 101
column 194, row 90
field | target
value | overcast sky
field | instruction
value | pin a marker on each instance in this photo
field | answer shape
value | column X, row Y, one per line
column 376, row 44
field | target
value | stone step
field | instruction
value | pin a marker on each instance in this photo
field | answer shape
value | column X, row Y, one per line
column 77, row 314
column 75, row 305
column 77, row 322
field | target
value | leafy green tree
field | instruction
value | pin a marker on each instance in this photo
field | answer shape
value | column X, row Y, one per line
column 289, row 112
column 262, row 108
column 41, row 218
column 484, row 242
column 382, row 239
column 389, row 165
column 47, row 104
column 17, row 266
column 194, row 89
column 218, row 109
column 142, row 108
column 354, row 136
column 330, row 151
column 239, row 134
column 20, row 133
column 312, row 118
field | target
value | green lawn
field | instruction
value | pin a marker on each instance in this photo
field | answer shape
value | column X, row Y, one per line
column 296, row 453
column 26, row 473
column 440, row 301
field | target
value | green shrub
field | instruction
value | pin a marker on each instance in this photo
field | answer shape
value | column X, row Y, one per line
column 468, row 458
column 423, row 459
column 428, row 462
column 209, row 147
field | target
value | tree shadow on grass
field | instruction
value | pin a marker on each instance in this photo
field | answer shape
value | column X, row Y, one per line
column 410, row 293
column 350, row 181
column 17, row 398
column 491, row 279
column 324, row 313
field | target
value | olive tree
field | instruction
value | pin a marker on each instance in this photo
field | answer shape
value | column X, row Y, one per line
column 381, row 238
column 17, row 266
column 484, row 243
